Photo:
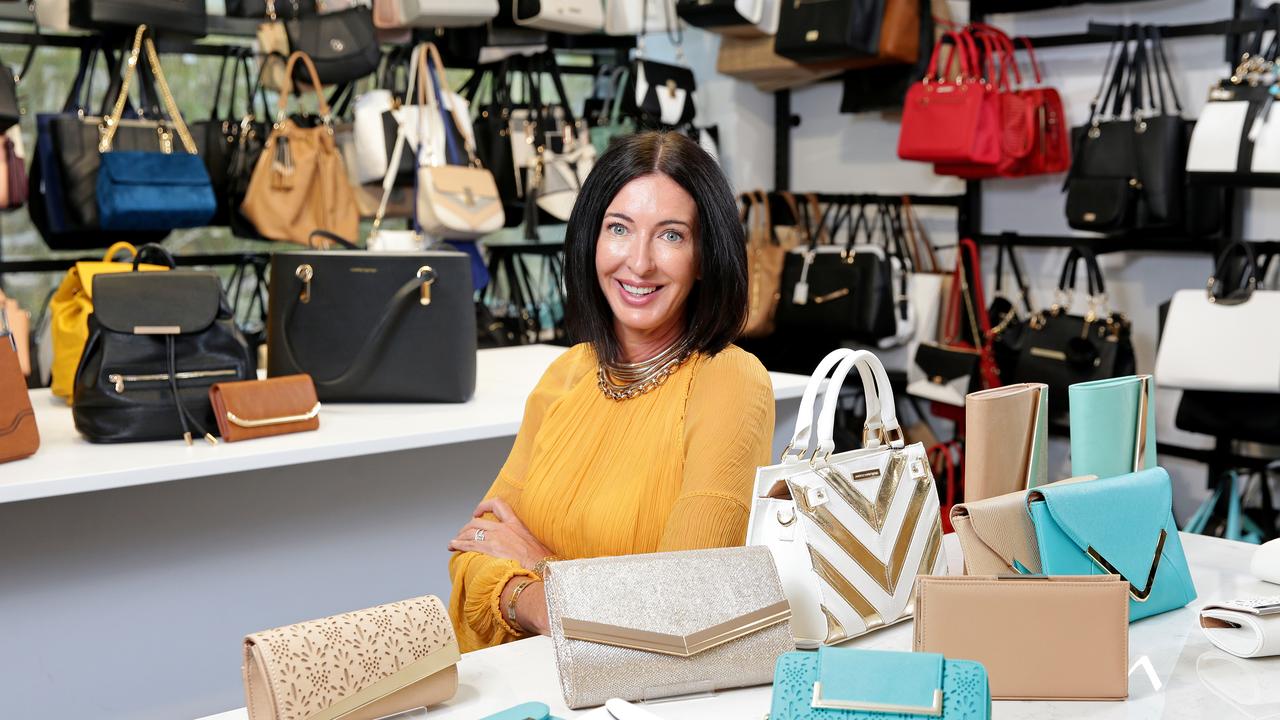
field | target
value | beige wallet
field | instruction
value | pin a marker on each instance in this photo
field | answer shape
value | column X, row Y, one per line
column 1040, row 638
column 1007, row 445
column 996, row 534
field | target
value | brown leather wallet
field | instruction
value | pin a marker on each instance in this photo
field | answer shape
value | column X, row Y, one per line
column 18, row 435
column 1064, row 637
column 251, row 409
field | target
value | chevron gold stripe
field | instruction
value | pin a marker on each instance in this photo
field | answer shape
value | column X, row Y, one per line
column 835, row 629
column 847, row 592
column 907, row 531
column 874, row 513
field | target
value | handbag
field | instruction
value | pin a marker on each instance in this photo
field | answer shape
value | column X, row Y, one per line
column 1113, row 426
column 13, row 170
column 562, row 16
column 454, row 200
column 765, row 256
column 1118, row 526
column 299, row 184
column 147, row 190
column 342, row 45
column 251, row 138
column 615, row 124
column 817, row 32
column 1062, row 349
column 216, row 138
column 743, row 18
column 187, row 17
column 1246, row 628
column 1083, row 654
column 1007, row 440
column 996, row 535
column 525, row 711
column 15, row 326
column 71, row 306
column 157, row 340
column 1213, row 339
column 754, row 60
column 850, row 531
column 19, row 436
column 412, row 325
column 1251, row 417
column 632, row 17
column 389, row 14
column 660, row 93
column 1008, row 326
column 848, row 683
column 53, row 15
column 379, row 114
column 390, row 658
column 262, row 408
column 285, row 9
column 694, row 621
column 951, row 120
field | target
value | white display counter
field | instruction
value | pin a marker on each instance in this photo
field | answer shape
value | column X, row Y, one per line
column 129, row 573
column 1175, row 673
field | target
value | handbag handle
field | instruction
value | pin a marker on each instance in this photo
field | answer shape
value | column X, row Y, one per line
column 332, row 237
column 397, row 151
column 153, row 249
column 1031, row 56
column 1217, row 280
column 881, row 425
column 918, row 238
column 117, row 248
column 112, row 124
column 282, row 105
column 437, row 89
column 371, row 346
column 962, row 44
column 1023, row 291
column 804, row 417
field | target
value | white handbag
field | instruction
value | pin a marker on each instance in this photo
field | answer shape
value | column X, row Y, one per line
column 745, row 18
column 563, row 16
column 633, row 17
column 53, row 15
column 443, row 13
column 1212, row 342
column 849, row 532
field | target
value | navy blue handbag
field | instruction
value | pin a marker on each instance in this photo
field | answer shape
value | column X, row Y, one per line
column 150, row 190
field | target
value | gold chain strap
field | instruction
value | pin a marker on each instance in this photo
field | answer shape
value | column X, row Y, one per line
column 110, row 124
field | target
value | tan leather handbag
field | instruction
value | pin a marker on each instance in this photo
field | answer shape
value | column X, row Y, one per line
column 359, row 665
column 300, row 183
column 17, row 322
column 765, row 257
column 18, row 435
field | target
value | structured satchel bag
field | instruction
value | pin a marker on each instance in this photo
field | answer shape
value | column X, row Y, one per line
column 850, row 531
column 1213, row 339
column 19, row 437
column 817, row 31
column 695, row 620
column 389, row 14
column 187, row 17
column 390, row 658
column 951, row 120
column 849, row 683
column 743, row 18
column 342, row 45
column 1113, row 426
column 1116, row 526
column 632, row 17
column 300, row 184
column 157, row 341
column 410, row 315
column 563, row 16
column 145, row 190
column 1007, row 440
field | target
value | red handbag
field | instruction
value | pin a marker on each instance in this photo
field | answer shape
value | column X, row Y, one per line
column 1052, row 150
column 951, row 121
column 966, row 304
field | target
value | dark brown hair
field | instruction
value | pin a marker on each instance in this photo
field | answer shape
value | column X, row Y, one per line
column 716, row 310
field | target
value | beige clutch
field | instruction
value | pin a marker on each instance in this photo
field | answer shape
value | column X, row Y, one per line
column 996, row 534
column 643, row 627
column 1007, row 440
column 359, row 665
column 1040, row 638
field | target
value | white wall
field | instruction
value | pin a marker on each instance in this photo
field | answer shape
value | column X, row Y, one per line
column 857, row 153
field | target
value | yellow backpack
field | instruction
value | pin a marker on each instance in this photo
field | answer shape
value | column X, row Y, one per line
column 70, row 308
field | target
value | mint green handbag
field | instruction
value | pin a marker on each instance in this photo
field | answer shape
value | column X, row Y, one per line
column 603, row 133
column 1113, row 426
column 1119, row 526
column 851, row 684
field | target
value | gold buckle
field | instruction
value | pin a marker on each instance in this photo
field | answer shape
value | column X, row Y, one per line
column 1138, row 595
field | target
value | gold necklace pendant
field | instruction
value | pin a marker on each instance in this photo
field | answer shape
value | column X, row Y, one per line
column 622, row 381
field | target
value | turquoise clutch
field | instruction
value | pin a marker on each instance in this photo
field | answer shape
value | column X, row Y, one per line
column 1121, row 526
column 1113, row 426
column 850, row 684
column 527, row 711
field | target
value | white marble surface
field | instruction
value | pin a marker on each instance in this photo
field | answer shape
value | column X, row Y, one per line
column 67, row 463
column 1175, row 673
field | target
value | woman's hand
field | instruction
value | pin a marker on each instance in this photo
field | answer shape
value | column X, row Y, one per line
column 506, row 537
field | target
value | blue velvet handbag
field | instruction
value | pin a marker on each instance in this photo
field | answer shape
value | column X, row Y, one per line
column 850, row 684
column 154, row 191
column 1120, row 526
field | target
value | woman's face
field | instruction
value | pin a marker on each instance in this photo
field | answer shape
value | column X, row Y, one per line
column 646, row 255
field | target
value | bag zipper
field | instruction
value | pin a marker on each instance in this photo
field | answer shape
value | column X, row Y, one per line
column 120, row 380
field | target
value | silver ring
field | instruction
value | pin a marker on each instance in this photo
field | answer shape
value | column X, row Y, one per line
column 479, row 535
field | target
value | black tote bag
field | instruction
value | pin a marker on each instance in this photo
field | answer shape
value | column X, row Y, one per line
column 343, row 45
column 357, row 323
column 814, row 31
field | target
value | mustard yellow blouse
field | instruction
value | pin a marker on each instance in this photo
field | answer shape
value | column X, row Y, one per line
column 672, row 469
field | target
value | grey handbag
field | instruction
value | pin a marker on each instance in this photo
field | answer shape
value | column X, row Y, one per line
column 643, row 627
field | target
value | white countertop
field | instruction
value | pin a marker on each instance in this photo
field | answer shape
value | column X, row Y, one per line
column 67, row 464
column 1175, row 674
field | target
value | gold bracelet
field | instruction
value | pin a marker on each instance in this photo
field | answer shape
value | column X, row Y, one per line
column 541, row 568
column 511, row 606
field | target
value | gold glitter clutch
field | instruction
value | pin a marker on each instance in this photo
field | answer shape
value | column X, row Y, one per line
column 642, row 627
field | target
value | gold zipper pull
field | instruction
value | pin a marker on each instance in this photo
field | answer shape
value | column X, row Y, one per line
column 117, row 380
column 430, row 278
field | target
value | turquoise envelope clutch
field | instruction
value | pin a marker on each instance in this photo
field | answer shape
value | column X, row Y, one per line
column 527, row 711
column 1113, row 426
column 1121, row 526
column 850, row 684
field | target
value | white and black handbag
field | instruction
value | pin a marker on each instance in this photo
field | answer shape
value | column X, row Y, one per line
column 563, row 16
column 741, row 18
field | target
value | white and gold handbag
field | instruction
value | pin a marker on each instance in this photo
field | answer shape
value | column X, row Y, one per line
column 849, row 532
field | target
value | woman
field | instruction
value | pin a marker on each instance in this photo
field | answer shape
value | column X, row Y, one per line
column 646, row 435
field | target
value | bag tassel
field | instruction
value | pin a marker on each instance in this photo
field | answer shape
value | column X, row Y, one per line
column 282, row 164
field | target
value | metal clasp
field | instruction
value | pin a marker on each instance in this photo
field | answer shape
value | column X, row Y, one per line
column 430, row 278
column 305, row 273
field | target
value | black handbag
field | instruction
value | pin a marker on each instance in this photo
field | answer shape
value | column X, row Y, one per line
column 374, row 327
column 718, row 14
column 1250, row 417
column 187, row 17
column 884, row 87
column 218, row 137
column 1061, row 349
column 660, row 94
column 157, row 341
column 1129, row 169
column 251, row 137
column 258, row 9
column 817, row 32
column 841, row 292
column 343, row 45
column 1008, row 326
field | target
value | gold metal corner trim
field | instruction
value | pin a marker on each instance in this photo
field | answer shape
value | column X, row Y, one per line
column 1140, row 440
column 268, row 422
column 1138, row 595
column 835, row 629
column 934, row 710
column 677, row 645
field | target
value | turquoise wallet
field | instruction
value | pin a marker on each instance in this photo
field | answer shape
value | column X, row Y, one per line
column 850, row 684
column 527, row 711
column 1113, row 426
column 1119, row 526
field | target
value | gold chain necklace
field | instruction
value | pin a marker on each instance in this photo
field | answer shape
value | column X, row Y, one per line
column 622, row 381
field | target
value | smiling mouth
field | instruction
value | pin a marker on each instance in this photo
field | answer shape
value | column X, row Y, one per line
column 638, row 291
